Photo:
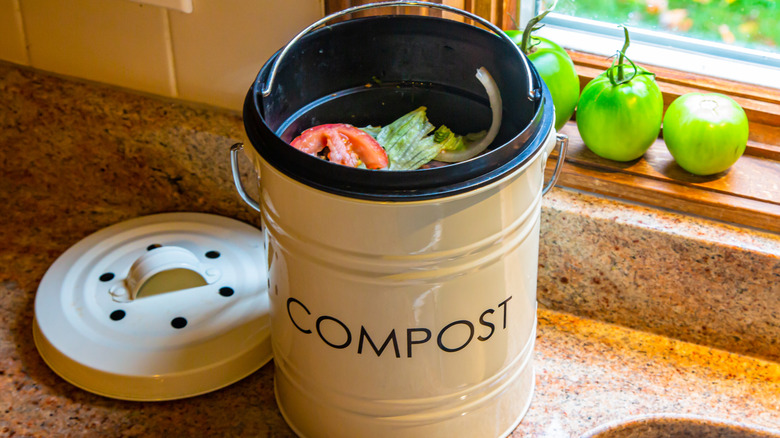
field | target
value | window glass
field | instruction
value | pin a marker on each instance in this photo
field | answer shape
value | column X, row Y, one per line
column 740, row 23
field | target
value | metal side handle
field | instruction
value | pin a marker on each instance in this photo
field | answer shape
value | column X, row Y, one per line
column 562, row 142
column 234, row 150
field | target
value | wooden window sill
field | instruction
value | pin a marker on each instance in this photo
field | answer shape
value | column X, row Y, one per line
column 747, row 194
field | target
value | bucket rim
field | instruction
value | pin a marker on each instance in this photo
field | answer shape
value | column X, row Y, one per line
column 355, row 182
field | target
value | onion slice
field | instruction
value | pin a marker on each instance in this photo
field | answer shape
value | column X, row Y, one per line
column 475, row 147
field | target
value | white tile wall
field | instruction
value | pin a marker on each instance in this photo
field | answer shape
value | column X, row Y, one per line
column 179, row 5
column 12, row 44
column 210, row 55
column 112, row 41
column 220, row 47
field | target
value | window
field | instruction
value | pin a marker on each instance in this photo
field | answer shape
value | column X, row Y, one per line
column 751, row 24
column 719, row 38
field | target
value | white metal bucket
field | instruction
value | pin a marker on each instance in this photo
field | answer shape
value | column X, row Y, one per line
column 399, row 311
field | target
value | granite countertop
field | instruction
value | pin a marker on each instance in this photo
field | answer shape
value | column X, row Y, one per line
column 642, row 311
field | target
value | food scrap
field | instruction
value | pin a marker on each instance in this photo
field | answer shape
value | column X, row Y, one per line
column 408, row 143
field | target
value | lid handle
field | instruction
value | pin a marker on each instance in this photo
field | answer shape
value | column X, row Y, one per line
column 164, row 269
column 533, row 93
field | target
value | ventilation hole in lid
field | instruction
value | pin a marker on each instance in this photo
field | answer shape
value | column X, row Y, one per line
column 178, row 322
column 116, row 315
column 226, row 291
column 213, row 254
column 153, row 246
column 108, row 276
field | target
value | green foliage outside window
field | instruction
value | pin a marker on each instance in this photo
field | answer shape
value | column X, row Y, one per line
column 745, row 23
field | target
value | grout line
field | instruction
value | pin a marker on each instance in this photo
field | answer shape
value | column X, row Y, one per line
column 21, row 28
column 168, row 35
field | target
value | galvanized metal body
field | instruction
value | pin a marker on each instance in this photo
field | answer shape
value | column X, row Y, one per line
column 404, row 319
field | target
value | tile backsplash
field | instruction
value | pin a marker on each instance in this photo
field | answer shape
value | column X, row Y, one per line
column 12, row 46
column 210, row 55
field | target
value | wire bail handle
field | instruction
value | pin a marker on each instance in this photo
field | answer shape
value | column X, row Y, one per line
column 533, row 94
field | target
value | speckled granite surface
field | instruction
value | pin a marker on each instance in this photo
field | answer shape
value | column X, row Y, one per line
column 675, row 275
column 78, row 157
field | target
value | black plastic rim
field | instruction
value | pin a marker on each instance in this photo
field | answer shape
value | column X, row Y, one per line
column 378, row 185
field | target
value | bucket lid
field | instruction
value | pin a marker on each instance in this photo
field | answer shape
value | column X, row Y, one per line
column 157, row 308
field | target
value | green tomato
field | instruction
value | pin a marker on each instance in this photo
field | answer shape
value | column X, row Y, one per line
column 705, row 132
column 620, row 121
column 557, row 71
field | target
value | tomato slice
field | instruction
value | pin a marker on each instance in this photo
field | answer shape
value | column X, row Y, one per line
column 347, row 145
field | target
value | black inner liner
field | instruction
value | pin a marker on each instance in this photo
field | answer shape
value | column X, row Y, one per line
column 372, row 71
